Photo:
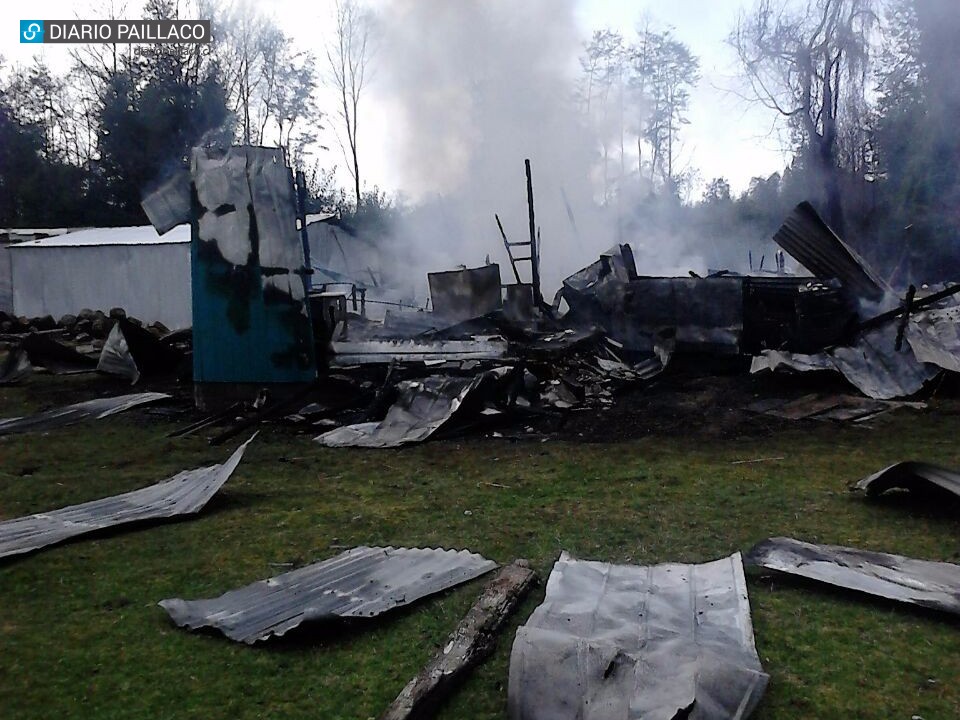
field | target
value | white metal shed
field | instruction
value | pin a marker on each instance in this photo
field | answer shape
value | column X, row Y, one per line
column 101, row 268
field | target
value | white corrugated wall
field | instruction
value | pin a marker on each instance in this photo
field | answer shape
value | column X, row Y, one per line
column 6, row 290
column 151, row 282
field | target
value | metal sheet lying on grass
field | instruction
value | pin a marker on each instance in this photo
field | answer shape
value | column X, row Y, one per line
column 926, row 583
column 186, row 492
column 70, row 414
column 910, row 476
column 361, row 582
column 625, row 641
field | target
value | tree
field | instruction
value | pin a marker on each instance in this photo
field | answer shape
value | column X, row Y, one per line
column 604, row 73
column 718, row 191
column 670, row 71
column 917, row 146
column 163, row 101
column 348, row 57
column 803, row 63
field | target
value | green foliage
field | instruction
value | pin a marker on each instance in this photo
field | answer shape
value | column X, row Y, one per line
column 148, row 122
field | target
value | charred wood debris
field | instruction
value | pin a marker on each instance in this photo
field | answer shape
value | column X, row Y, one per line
column 496, row 358
column 489, row 352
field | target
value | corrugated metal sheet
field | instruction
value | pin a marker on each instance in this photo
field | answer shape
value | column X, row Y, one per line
column 811, row 241
column 872, row 364
column 625, row 641
column 168, row 204
column 895, row 577
column 361, row 582
column 91, row 237
column 828, row 407
column 934, row 336
column 405, row 324
column 910, row 476
column 70, row 414
column 422, row 408
column 151, row 281
column 184, row 493
column 372, row 352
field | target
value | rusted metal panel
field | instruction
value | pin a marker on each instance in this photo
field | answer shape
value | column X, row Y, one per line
column 626, row 641
column 362, row 582
column 811, row 241
column 186, row 492
column 926, row 583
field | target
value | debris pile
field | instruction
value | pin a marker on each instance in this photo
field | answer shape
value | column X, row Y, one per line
column 92, row 341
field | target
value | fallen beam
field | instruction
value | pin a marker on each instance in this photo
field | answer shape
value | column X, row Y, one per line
column 911, row 307
column 470, row 644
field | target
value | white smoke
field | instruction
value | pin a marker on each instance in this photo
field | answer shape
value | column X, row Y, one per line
column 474, row 87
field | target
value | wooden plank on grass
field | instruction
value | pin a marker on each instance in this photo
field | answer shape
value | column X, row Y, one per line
column 469, row 645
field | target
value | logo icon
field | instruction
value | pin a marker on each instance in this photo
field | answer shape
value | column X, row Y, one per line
column 31, row 31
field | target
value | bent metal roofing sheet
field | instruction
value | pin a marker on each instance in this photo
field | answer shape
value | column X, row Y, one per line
column 625, row 641
column 361, row 582
column 70, row 414
column 184, row 493
column 926, row 583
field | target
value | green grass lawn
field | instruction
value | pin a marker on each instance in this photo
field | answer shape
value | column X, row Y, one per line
column 81, row 634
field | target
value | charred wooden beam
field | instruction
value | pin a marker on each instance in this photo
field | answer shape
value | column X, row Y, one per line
column 469, row 645
column 534, row 245
column 916, row 306
column 907, row 309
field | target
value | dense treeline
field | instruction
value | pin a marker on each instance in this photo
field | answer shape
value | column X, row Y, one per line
column 868, row 90
column 79, row 149
column 870, row 96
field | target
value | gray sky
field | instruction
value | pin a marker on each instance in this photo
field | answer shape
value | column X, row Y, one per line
column 724, row 137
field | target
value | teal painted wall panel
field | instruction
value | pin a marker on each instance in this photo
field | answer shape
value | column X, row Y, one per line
column 251, row 321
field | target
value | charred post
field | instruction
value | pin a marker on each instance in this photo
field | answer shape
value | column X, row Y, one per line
column 534, row 246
